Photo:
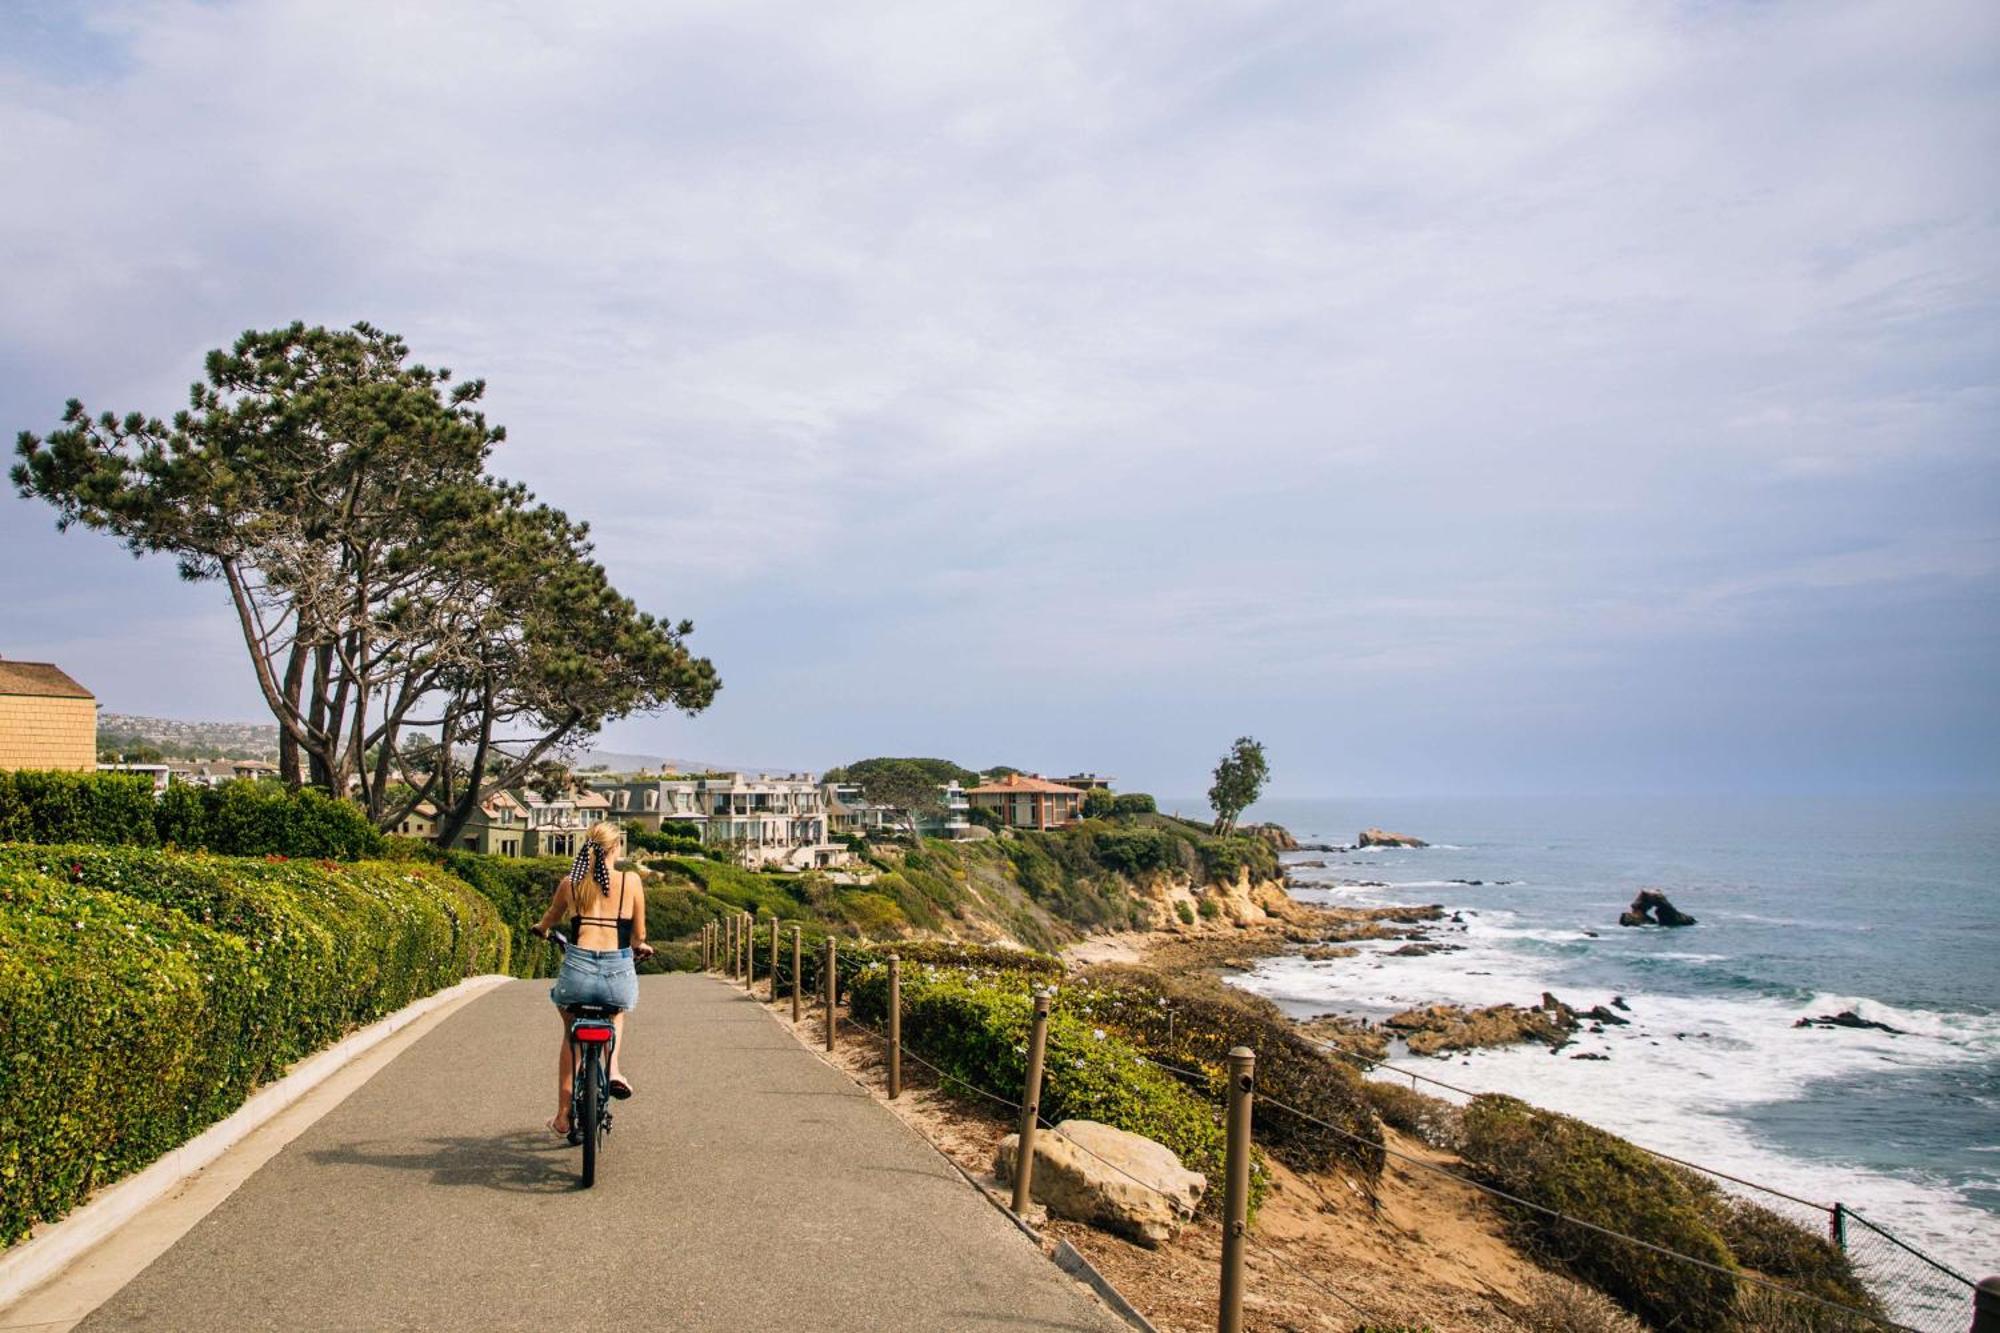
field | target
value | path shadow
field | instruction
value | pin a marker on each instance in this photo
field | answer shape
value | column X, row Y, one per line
column 527, row 1162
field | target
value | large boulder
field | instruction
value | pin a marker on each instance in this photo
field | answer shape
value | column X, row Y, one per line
column 1121, row 1182
column 1376, row 837
column 1277, row 835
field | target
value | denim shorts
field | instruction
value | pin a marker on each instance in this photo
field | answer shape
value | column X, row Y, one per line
column 596, row 976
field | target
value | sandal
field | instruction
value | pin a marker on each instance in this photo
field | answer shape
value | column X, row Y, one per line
column 550, row 1125
column 620, row 1089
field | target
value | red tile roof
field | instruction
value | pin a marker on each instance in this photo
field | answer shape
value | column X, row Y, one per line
column 1021, row 782
column 39, row 678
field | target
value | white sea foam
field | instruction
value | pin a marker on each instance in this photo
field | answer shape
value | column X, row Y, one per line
column 1677, row 1074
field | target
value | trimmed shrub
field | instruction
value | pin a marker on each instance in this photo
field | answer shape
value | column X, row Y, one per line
column 115, row 809
column 975, row 1027
column 519, row 889
column 265, row 819
column 236, row 819
column 1194, row 1025
column 1578, row 1169
column 143, row 994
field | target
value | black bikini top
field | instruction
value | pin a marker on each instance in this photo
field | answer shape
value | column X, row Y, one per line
column 624, row 924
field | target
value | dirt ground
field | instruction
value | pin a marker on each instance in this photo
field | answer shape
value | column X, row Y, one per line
column 1323, row 1256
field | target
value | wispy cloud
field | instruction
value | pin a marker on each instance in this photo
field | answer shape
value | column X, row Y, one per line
column 1269, row 349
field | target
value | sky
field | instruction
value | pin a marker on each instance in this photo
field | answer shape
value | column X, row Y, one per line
column 1468, row 398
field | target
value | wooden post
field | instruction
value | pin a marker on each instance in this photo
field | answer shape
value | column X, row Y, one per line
column 1236, row 1191
column 1031, row 1106
column 1986, row 1306
column 830, row 982
column 704, row 946
column 1836, row 1228
column 749, row 950
column 729, row 944
column 774, row 958
column 895, row 1027
column 798, row 973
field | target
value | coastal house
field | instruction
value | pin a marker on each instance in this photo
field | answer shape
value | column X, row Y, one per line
column 774, row 821
column 215, row 772
column 1028, row 800
column 497, row 828
column 157, row 774
column 1087, row 781
column 47, row 720
column 421, row 822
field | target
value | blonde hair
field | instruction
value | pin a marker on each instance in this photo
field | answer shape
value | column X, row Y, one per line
column 604, row 841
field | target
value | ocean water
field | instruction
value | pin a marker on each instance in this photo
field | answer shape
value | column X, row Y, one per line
column 1805, row 907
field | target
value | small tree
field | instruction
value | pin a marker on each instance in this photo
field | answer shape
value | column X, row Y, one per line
column 1099, row 804
column 906, row 786
column 1239, row 781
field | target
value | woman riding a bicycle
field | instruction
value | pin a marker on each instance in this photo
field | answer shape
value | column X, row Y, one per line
column 606, row 911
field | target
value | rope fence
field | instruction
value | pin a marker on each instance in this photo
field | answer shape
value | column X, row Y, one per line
column 1923, row 1295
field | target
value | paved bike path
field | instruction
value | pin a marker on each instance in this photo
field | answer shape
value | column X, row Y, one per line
column 746, row 1185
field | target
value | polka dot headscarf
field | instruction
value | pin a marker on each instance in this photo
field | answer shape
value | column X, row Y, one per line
column 592, row 867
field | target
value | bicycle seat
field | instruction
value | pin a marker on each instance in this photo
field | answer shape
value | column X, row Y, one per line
column 594, row 1011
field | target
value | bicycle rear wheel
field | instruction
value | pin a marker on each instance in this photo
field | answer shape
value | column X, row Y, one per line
column 592, row 1114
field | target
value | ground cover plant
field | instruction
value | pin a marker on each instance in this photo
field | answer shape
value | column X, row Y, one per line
column 144, row 993
column 974, row 1026
column 1194, row 1023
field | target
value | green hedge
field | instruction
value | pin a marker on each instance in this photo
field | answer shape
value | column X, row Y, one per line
column 143, row 994
column 974, row 1026
column 236, row 819
column 1195, row 1027
column 520, row 890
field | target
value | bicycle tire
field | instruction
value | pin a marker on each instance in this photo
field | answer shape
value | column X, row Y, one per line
column 591, row 1115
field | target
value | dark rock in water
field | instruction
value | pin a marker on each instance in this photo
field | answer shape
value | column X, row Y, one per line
column 1597, row 1029
column 1319, row 847
column 1618, row 1002
column 1375, row 837
column 1308, row 865
column 1651, row 908
column 1589, row 1055
column 1470, row 883
column 1591, row 933
column 1600, row 1014
column 1423, row 950
column 1847, row 1018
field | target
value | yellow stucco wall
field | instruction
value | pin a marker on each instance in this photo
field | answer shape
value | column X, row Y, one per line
column 41, row 732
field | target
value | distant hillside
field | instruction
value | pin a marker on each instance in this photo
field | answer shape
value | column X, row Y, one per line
column 177, row 739
column 188, row 740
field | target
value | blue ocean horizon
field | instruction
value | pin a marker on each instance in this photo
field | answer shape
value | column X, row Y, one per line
column 1889, row 907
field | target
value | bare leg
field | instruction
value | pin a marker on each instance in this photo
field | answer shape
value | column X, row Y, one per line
column 617, row 1045
column 565, row 1074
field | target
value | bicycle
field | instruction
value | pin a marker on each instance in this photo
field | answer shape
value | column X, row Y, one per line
column 593, row 1038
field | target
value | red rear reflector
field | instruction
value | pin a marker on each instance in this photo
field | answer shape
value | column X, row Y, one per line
column 593, row 1034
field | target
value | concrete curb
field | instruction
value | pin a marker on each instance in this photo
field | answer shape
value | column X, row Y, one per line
column 54, row 1246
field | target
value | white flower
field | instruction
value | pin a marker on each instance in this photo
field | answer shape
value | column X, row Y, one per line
column 1097, row 1033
